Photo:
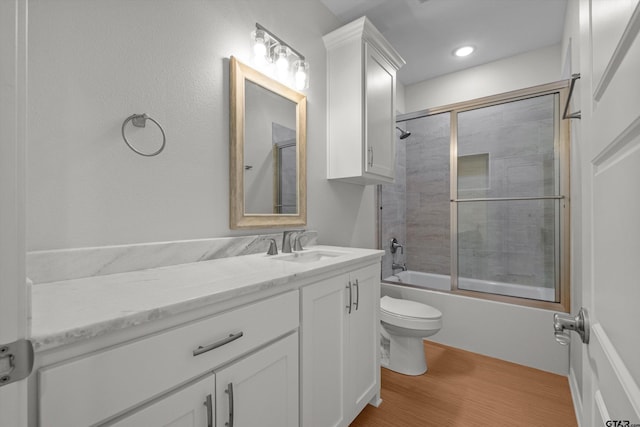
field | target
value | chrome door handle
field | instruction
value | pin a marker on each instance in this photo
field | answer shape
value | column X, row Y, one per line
column 350, row 297
column 209, row 404
column 198, row 351
column 370, row 156
column 229, row 391
column 357, row 285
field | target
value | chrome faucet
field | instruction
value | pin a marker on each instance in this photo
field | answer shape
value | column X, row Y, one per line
column 286, row 241
column 396, row 266
column 273, row 248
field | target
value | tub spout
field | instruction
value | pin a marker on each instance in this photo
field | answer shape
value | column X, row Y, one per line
column 396, row 266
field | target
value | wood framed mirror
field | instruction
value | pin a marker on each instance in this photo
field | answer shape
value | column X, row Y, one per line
column 268, row 136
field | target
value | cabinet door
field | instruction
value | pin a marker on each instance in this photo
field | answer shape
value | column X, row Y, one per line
column 261, row 389
column 380, row 87
column 322, row 352
column 363, row 369
column 184, row 408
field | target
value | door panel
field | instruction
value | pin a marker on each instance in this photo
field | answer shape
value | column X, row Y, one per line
column 611, row 128
column 13, row 299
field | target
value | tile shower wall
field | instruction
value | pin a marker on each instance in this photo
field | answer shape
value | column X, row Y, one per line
column 506, row 150
column 512, row 241
column 428, row 218
column 393, row 210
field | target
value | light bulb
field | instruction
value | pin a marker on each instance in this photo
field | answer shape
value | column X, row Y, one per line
column 282, row 63
column 301, row 76
column 259, row 45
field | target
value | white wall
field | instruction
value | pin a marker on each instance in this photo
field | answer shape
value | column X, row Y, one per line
column 92, row 64
column 517, row 72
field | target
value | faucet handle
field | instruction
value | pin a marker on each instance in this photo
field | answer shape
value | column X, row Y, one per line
column 395, row 245
column 297, row 244
column 273, row 247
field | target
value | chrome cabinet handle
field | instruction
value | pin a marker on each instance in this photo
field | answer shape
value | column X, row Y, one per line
column 357, row 285
column 350, row 297
column 370, row 156
column 209, row 404
column 198, row 351
column 229, row 391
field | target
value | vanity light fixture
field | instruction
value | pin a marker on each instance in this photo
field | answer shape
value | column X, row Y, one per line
column 271, row 52
column 464, row 51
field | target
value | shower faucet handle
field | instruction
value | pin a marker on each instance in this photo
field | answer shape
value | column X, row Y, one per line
column 395, row 245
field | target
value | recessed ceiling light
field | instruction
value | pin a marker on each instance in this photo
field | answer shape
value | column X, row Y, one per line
column 464, row 51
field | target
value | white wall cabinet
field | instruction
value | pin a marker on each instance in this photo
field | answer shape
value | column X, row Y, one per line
column 340, row 365
column 362, row 69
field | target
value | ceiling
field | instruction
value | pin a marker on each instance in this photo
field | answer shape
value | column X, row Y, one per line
column 425, row 32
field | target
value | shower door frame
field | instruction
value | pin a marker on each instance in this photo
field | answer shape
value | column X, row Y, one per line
column 562, row 142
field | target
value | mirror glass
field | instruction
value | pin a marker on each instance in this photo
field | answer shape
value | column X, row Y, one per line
column 268, row 151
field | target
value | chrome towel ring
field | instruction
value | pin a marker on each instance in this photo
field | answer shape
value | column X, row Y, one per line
column 140, row 121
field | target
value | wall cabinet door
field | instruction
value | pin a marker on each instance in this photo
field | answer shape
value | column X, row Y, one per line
column 339, row 356
column 379, row 114
column 361, row 73
column 261, row 389
column 184, row 408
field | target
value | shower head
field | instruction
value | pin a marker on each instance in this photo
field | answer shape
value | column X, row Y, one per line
column 403, row 134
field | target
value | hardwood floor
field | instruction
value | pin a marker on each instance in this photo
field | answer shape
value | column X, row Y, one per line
column 467, row 389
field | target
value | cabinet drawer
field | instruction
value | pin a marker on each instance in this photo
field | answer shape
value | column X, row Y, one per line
column 96, row 387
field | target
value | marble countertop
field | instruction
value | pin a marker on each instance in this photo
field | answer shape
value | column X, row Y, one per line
column 69, row 311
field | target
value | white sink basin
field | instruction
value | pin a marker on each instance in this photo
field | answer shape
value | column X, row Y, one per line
column 309, row 256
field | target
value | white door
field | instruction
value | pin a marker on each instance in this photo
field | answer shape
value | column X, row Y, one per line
column 13, row 319
column 610, row 103
column 261, row 389
column 192, row 406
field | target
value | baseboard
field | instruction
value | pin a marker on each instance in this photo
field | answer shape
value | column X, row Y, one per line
column 575, row 396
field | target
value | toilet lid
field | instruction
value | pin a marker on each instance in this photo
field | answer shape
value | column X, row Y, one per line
column 403, row 307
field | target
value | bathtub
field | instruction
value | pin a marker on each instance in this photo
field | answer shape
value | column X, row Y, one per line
column 441, row 282
column 516, row 333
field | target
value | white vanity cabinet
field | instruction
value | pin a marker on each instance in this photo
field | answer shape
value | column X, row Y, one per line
column 262, row 389
column 339, row 347
column 188, row 407
column 362, row 69
column 156, row 380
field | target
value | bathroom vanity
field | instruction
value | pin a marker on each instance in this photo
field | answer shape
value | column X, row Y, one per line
column 251, row 340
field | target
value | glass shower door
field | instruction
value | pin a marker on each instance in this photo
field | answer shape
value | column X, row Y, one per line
column 507, row 199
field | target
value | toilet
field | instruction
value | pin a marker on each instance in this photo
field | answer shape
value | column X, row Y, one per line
column 404, row 324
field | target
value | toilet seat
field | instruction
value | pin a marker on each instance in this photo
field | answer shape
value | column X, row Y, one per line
column 409, row 314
